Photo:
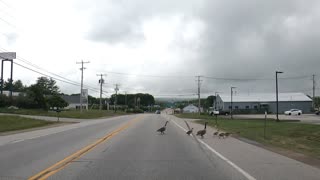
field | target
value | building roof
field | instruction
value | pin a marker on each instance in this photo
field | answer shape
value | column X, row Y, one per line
column 71, row 99
column 190, row 106
column 265, row 97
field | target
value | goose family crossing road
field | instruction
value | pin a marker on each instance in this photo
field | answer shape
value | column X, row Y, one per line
column 124, row 147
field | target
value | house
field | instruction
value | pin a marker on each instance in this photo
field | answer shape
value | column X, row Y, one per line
column 14, row 94
column 177, row 110
column 74, row 102
column 190, row 109
column 255, row 102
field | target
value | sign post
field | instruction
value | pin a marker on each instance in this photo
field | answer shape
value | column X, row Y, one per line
column 265, row 125
column 7, row 56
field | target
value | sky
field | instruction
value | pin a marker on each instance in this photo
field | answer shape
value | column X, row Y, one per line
column 158, row 47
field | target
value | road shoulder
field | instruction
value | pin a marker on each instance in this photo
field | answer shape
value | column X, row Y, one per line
column 257, row 161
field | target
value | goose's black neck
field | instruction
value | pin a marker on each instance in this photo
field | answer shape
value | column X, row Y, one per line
column 166, row 123
column 205, row 125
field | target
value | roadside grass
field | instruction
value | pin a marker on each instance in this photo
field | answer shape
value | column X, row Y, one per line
column 296, row 137
column 90, row 114
column 11, row 123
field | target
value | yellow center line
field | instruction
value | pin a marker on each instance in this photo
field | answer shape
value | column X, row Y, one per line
column 44, row 174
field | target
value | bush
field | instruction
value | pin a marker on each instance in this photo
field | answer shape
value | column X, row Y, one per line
column 4, row 101
column 135, row 111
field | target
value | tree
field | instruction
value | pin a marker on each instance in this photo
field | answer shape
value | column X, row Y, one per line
column 317, row 102
column 43, row 87
column 6, row 85
column 56, row 101
column 209, row 101
column 48, row 86
column 4, row 101
column 18, row 86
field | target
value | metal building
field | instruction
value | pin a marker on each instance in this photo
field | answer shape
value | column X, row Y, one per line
column 259, row 102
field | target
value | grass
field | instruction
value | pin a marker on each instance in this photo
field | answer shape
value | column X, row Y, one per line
column 296, row 137
column 90, row 114
column 11, row 123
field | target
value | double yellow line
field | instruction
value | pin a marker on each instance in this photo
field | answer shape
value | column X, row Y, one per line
column 44, row 174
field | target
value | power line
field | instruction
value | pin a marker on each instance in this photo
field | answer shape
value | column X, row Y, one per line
column 207, row 77
column 145, row 75
column 7, row 22
column 54, row 74
column 6, row 4
column 74, row 84
column 253, row 79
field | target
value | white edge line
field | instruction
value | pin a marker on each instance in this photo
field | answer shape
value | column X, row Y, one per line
column 247, row 175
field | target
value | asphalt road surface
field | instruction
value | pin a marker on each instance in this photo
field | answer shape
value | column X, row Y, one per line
column 134, row 150
column 126, row 147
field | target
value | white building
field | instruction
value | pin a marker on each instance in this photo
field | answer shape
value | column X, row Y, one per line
column 190, row 109
column 265, row 101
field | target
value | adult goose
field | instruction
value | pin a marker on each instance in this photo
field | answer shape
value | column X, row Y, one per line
column 202, row 132
column 161, row 130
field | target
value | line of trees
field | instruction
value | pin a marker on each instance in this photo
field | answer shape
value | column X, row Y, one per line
column 205, row 103
column 133, row 101
column 43, row 94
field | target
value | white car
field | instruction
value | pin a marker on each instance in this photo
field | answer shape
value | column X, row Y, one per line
column 293, row 112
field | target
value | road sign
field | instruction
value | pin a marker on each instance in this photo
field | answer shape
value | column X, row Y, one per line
column 7, row 55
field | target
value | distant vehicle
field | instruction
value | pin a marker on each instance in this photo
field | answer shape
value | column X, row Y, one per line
column 293, row 112
column 317, row 112
column 217, row 112
column 158, row 112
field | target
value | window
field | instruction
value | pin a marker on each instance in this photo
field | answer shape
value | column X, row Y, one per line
column 247, row 107
column 255, row 107
column 229, row 107
column 236, row 107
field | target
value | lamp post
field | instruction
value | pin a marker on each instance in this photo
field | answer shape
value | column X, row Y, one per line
column 231, row 102
column 277, row 72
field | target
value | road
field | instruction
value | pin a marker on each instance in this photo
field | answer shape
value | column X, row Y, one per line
column 125, row 147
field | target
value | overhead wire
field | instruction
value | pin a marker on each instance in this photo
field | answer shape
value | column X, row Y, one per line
column 54, row 74
column 61, row 80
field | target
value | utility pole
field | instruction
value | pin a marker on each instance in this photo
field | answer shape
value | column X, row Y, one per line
column 115, row 101
column 101, row 81
column 215, row 100
column 277, row 98
column 313, row 91
column 231, row 113
column 125, row 100
column 199, row 83
column 81, row 88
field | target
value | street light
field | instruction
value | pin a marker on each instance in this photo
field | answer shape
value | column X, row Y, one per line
column 277, row 72
column 231, row 102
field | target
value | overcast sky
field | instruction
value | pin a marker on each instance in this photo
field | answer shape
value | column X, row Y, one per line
column 159, row 46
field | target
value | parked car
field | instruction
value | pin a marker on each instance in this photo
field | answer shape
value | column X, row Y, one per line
column 216, row 112
column 293, row 112
column 158, row 112
column 317, row 112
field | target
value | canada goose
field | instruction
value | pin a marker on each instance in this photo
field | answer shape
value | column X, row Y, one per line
column 202, row 132
column 190, row 131
column 161, row 130
column 221, row 135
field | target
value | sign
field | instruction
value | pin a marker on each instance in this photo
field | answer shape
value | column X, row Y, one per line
column 84, row 95
column 7, row 55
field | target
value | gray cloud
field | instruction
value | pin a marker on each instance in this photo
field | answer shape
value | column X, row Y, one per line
column 242, row 39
